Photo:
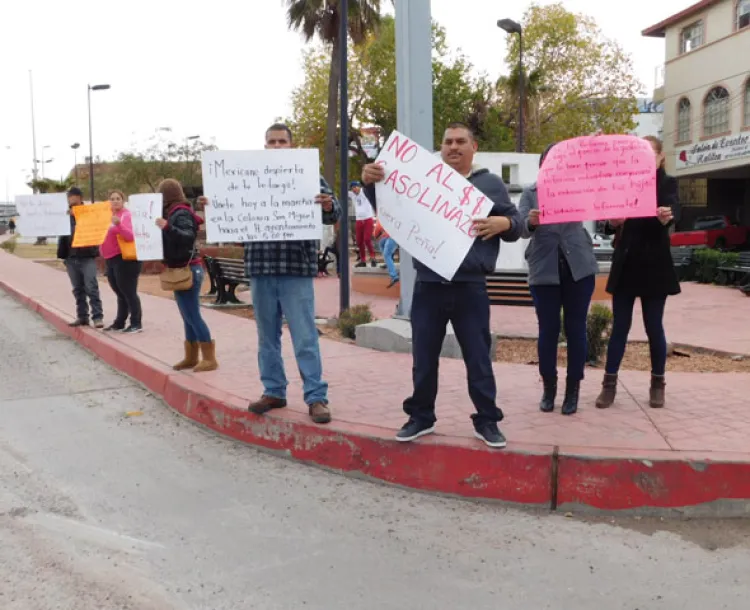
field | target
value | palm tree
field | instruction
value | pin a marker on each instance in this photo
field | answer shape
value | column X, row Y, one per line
column 321, row 17
column 534, row 87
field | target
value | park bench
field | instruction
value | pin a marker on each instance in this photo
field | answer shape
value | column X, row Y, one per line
column 683, row 261
column 735, row 273
column 509, row 288
column 226, row 274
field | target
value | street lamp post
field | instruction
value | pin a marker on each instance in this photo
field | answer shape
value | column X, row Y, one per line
column 344, row 288
column 43, row 159
column 91, row 140
column 75, row 148
column 513, row 27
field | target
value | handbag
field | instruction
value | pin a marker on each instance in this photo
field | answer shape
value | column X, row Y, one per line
column 127, row 249
column 176, row 279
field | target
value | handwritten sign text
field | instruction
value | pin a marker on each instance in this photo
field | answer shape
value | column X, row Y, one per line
column 144, row 210
column 92, row 223
column 43, row 215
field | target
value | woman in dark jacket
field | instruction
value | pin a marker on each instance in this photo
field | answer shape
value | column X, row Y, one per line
column 562, row 272
column 642, row 267
column 179, row 227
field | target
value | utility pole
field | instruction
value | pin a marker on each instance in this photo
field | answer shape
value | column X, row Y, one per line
column 35, row 171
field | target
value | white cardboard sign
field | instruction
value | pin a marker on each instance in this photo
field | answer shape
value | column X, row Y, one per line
column 144, row 210
column 43, row 215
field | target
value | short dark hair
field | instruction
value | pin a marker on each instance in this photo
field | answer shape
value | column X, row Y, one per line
column 461, row 125
column 74, row 190
column 280, row 127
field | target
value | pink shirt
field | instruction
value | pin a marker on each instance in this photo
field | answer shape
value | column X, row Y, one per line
column 110, row 248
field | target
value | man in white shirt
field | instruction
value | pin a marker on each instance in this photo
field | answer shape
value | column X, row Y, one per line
column 365, row 216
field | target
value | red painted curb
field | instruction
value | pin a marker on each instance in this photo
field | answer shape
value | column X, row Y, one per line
column 539, row 476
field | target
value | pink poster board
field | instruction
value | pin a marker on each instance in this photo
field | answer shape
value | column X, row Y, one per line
column 597, row 178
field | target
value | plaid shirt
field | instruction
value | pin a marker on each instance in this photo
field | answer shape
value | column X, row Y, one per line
column 289, row 257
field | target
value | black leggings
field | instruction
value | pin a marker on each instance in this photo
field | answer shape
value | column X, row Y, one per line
column 653, row 320
column 123, row 279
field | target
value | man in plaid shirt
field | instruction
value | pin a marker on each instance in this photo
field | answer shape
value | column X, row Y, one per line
column 282, row 275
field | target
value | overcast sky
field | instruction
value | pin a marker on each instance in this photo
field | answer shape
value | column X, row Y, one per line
column 222, row 69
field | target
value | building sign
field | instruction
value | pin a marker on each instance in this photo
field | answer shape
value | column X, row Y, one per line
column 714, row 151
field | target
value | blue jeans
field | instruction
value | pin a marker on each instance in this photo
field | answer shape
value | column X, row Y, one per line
column 467, row 307
column 189, row 304
column 292, row 297
column 388, row 247
column 653, row 320
column 574, row 299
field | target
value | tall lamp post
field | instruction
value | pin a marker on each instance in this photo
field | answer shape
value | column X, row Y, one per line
column 344, row 287
column 513, row 27
column 75, row 148
column 44, row 161
column 91, row 140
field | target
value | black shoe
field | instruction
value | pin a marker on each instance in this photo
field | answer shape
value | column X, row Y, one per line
column 491, row 435
column 547, row 404
column 570, row 403
column 77, row 323
column 414, row 429
column 361, row 264
column 393, row 283
column 114, row 328
column 133, row 329
column 373, row 263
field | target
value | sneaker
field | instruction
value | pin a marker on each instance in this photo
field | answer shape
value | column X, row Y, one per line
column 266, row 404
column 77, row 323
column 114, row 328
column 133, row 329
column 373, row 263
column 360, row 264
column 490, row 434
column 98, row 323
column 414, row 429
column 393, row 283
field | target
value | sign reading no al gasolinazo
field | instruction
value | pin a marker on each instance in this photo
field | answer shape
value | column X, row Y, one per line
column 714, row 151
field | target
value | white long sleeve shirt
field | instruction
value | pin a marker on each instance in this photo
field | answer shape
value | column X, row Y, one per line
column 362, row 206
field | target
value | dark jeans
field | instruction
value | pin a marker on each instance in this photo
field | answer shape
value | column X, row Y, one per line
column 82, row 274
column 574, row 299
column 467, row 307
column 123, row 279
column 653, row 318
column 189, row 304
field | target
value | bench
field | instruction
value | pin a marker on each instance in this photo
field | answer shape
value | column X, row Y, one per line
column 209, row 261
column 683, row 261
column 736, row 273
column 509, row 288
column 227, row 274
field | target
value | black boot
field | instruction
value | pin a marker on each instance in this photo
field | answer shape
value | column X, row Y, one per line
column 547, row 404
column 570, row 403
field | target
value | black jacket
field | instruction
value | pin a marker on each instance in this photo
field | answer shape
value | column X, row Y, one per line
column 642, row 263
column 65, row 250
column 178, row 237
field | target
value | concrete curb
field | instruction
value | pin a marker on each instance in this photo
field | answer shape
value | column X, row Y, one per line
column 558, row 478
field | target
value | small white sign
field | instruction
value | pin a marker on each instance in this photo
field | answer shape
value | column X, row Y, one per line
column 43, row 215
column 144, row 210
column 263, row 195
column 426, row 206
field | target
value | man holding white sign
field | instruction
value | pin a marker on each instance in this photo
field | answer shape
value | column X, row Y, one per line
column 450, row 217
column 281, row 264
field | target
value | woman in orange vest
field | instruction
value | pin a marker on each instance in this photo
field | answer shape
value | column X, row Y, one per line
column 388, row 247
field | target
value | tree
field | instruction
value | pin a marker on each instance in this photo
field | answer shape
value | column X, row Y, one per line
column 321, row 18
column 578, row 81
column 48, row 185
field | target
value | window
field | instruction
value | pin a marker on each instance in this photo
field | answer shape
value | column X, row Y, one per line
column 693, row 192
column 743, row 14
column 747, row 103
column 716, row 112
column 683, row 120
column 691, row 37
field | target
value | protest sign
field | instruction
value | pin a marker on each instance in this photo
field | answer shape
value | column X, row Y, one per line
column 144, row 210
column 426, row 206
column 266, row 195
column 597, row 178
column 92, row 223
column 43, row 215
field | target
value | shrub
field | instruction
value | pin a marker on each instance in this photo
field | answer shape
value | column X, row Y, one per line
column 9, row 245
column 707, row 263
column 598, row 331
column 353, row 317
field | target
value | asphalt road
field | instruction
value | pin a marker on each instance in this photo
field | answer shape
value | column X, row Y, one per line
column 101, row 511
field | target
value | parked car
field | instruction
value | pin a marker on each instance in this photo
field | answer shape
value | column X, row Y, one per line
column 713, row 232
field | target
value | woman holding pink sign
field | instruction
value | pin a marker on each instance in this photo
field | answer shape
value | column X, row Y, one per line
column 562, row 271
column 642, row 267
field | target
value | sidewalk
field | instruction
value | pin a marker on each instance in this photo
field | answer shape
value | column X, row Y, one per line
column 695, row 452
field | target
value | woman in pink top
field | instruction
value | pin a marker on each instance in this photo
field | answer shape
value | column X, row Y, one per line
column 122, row 273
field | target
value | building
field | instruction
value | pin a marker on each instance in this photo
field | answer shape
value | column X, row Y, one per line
column 706, row 97
column 650, row 119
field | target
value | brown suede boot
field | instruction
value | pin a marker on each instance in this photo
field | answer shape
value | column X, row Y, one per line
column 609, row 391
column 656, row 393
column 191, row 357
column 208, row 361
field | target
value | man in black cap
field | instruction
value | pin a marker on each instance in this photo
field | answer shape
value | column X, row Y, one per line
column 81, row 266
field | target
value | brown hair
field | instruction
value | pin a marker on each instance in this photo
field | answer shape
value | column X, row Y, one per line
column 172, row 192
column 119, row 192
column 658, row 145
